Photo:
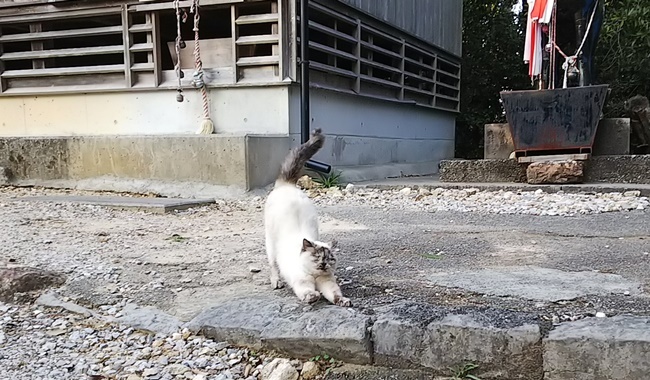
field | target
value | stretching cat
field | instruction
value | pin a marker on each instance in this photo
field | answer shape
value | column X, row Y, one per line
column 295, row 254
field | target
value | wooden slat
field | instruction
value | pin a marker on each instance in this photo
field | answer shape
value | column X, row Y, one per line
column 182, row 4
column 381, row 50
column 140, row 48
column 157, row 46
column 381, row 34
column 235, row 34
column 61, row 34
column 419, row 64
column 380, row 66
column 419, row 91
column 276, row 49
column 3, row 82
column 41, row 17
column 258, row 61
column 257, row 19
column 261, row 39
column 126, row 40
column 379, row 81
column 420, row 77
column 64, row 71
column 74, row 52
column 37, row 45
column 331, row 32
column 333, row 70
column 331, row 50
column 143, row 67
column 141, row 28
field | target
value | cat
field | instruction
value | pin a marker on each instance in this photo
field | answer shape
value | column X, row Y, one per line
column 295, row 253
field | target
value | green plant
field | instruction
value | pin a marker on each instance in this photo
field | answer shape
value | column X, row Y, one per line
column 328, row 180
column 464, row 372
column 325, row 362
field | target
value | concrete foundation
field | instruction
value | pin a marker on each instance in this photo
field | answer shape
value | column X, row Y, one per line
column 612, row 139
column 611, row 169
column 243, row 161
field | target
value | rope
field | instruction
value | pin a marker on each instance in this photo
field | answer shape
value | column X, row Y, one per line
column 571, row 60
column 177, row 69
column 197, row 79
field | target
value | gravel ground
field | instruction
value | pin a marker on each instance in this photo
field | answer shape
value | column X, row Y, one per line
column 185, row 261
column 41, row 343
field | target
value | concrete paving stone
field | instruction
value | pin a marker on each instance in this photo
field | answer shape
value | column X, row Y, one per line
column 616, row 348
column 535, row 283
column 150, row 319
column 157, row 205
column 239, row 321
column 340, row 333
column 504, row 344
column 297, row 330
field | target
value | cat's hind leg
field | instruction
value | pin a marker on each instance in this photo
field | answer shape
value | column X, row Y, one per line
column 276, row 282
column 330, row 289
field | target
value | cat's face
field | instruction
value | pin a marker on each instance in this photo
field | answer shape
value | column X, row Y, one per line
column 321, row 258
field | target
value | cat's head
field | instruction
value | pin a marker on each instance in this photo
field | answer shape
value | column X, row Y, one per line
column 319, row 255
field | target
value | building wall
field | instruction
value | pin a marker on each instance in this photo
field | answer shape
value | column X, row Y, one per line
column 255, row 110
column 370, row 138
column 438, row 22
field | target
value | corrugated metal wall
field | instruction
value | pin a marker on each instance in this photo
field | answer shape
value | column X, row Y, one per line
column 436, row 21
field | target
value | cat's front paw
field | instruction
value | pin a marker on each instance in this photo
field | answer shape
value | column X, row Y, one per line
column 311, row 297
column 343, row 302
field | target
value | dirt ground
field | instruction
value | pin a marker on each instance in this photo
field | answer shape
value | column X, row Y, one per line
column 185, row 261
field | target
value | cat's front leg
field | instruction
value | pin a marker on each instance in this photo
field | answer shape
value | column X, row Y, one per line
column 331, row 290
column 305, row 290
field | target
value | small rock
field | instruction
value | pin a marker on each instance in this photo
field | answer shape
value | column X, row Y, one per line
column 255, row 270
column 133, row 376
column 177, row 369
column 626, row 293
column 309, row 371
column 350, row 188
column 151, row 372
column 600, row 314
column 279, row 369
column 405, row 191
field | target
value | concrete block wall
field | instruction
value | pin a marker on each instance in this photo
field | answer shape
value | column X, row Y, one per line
column 245, row 161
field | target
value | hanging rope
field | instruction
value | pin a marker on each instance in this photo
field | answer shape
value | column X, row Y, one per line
column 177, row 69
column 572, row 60
column 207, row 127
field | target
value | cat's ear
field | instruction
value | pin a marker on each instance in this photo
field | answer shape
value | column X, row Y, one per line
column 307, row 245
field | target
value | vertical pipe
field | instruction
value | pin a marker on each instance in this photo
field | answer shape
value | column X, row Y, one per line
column 305, row 116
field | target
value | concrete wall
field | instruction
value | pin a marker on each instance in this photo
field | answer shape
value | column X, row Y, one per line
column 255, row 110
column 370, row 138
column 243, row 161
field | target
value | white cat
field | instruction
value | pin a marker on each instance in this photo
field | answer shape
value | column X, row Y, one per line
column 292, row 239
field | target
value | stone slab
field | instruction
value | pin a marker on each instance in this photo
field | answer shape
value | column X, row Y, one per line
column 535, row 283
column 297, row 330
column 338, row 332
column 157, row 205
column 559, row 172
column 504, row 344
column 149, row 319
column 498, row 142
column 615, row 348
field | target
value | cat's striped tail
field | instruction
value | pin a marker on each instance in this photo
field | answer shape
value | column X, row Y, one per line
column 296, row 159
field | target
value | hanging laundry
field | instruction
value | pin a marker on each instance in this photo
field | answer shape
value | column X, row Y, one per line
column 539, row 13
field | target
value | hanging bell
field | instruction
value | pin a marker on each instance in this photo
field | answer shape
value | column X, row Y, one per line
column 182, row 44
column 179, row 96
column 548, row 48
